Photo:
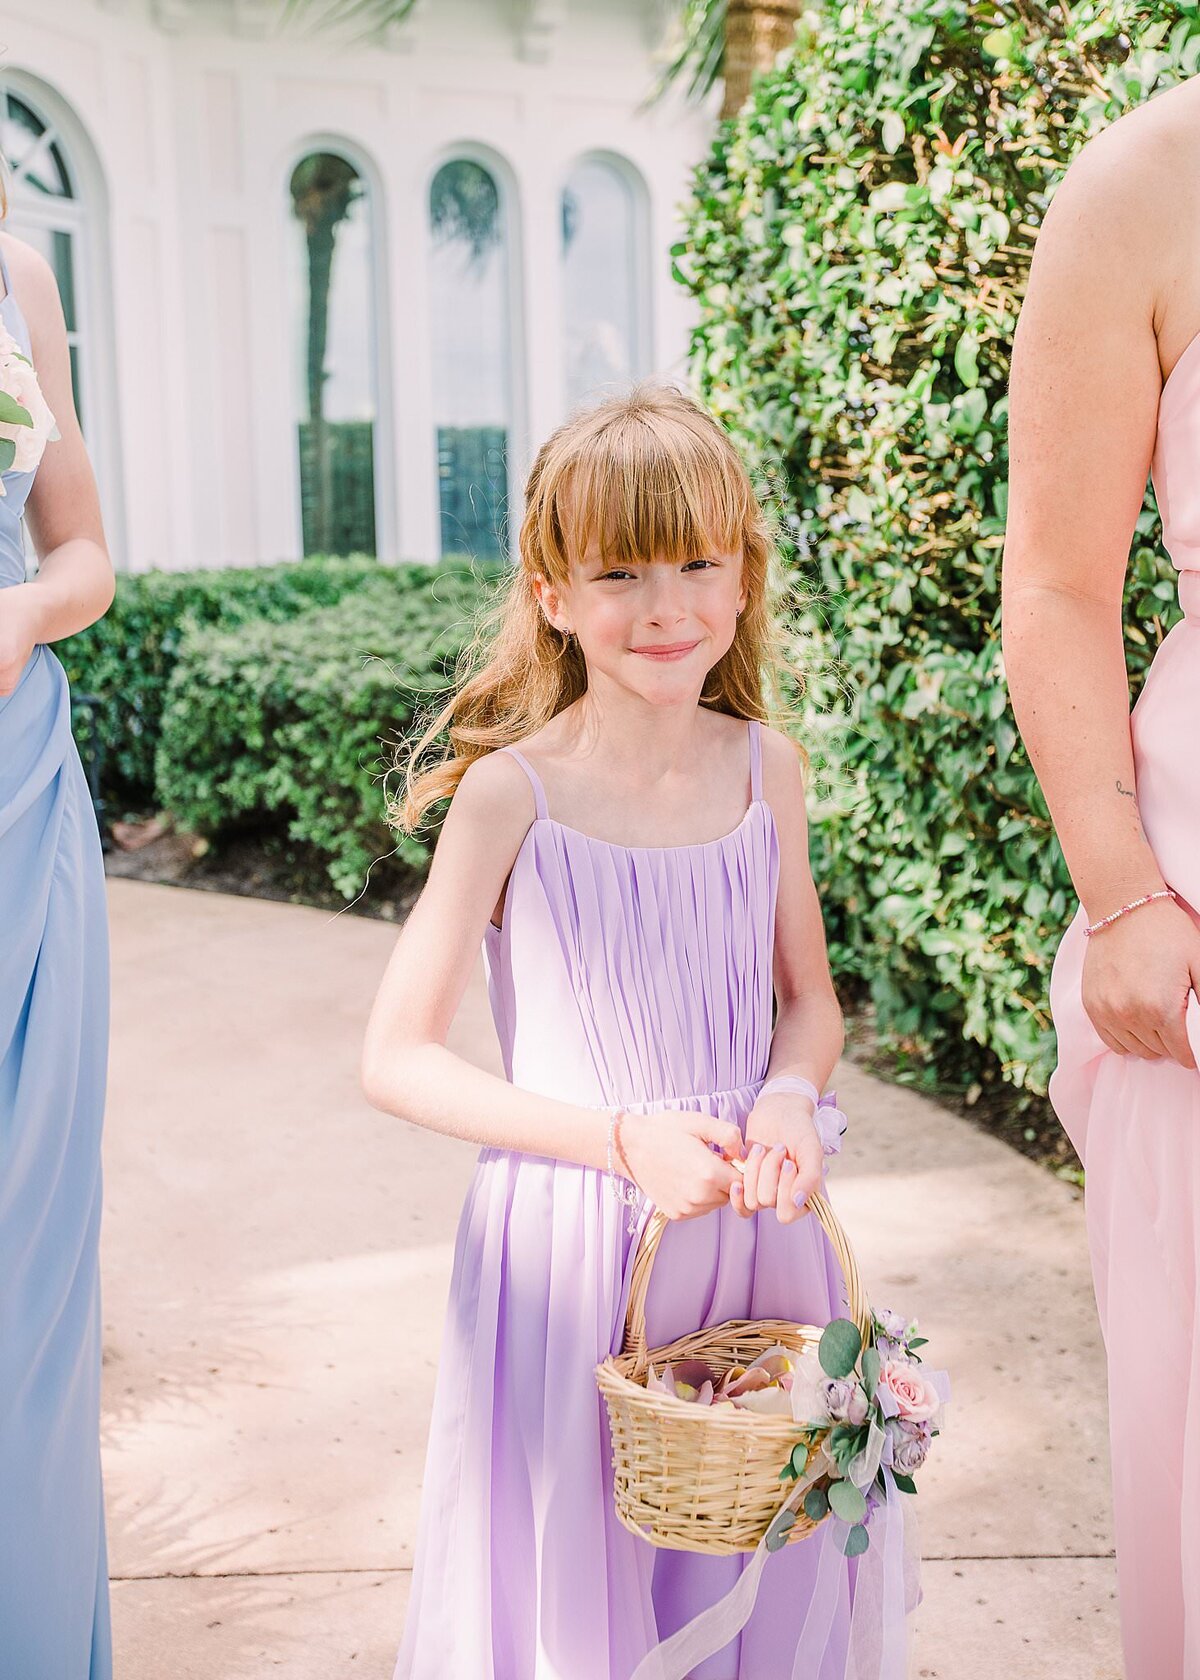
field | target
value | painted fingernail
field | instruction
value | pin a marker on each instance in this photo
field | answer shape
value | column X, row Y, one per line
column 799, row 1199
column 789, row 1166
column 778, row 1148
column 758, row 1149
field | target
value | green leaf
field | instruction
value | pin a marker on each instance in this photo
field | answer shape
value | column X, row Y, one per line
column 816, row 1504
column 892, row 131
column 11, row 412
column 870, row 1370
column 966, row 355
column 8, row 453
column 857, row 1541
column 847, row 1501
column 799, row 1462
column 840, row 1347
column 904, row 1483
column 777, row 1532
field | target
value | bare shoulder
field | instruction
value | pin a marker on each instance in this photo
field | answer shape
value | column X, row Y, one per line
column 493, row 801
column 33, row 282
column 1133, row 192
column 783, row 772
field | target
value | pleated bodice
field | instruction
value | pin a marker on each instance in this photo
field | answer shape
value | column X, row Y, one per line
column 634, row 973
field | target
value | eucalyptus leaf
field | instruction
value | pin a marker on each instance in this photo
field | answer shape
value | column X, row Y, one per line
column 847, row 1501
column 870, row 1370
column 857, row 1541
column 839, row 1348
column 816, row 1504
column 779, row 1528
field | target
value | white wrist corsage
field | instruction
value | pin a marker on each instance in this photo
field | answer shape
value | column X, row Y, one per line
column 26, row 423
column 828, row 1118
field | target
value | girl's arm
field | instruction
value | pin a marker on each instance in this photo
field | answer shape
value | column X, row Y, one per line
column 408, row 1071
column 1083, row 412
column 808, row 1035
column 74, row 585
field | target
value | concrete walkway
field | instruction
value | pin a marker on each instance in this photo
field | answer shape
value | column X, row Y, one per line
column 276, row 1259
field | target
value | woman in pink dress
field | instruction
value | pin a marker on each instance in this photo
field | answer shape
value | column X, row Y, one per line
column 1106, row 385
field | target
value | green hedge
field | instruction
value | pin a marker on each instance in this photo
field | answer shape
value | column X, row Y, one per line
column 280, row 724
column 858, row 244
column 127, row 658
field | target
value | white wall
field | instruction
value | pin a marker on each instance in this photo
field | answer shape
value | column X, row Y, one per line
column 196, row 111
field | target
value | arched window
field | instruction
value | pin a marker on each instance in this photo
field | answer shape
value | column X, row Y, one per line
column 472, row 356
column 335, row 354
column 603, row 284
column 46, row 211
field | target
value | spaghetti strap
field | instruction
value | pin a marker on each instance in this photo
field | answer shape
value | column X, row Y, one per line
column 755, row 759
column 539, row 792
column 4, row 274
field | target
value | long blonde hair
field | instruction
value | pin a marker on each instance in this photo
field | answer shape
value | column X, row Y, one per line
column 650, row 475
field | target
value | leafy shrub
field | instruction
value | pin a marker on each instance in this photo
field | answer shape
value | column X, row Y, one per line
column 858, row 244
column 126, row 659
column 281, row 723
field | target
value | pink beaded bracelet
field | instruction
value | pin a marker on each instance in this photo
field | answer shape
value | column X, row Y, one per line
column 1136, row 904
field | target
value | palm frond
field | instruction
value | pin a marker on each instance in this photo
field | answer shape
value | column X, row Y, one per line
column 698, row 51
column 368, row 19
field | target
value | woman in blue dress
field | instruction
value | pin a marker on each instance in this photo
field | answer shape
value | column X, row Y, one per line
column 54, row 1621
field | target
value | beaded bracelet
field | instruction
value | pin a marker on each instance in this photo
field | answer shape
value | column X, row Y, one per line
column 1136, row 904
column 626, row 1192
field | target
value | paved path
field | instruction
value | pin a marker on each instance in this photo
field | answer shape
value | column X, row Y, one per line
column 276, row 1258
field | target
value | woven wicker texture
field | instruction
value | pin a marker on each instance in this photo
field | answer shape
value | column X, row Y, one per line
column 688, row 1477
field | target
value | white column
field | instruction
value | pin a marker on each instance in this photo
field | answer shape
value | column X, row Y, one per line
column 537, row 311
column 418, row 516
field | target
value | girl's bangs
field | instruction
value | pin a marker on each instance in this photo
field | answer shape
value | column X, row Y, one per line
column 665, row 506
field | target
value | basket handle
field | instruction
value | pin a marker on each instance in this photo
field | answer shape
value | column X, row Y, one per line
column 635, row 1317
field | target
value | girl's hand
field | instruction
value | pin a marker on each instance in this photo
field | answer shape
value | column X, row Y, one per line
column 1137, row 973
column 668, row 1157
column 18, row 635
column 785, row 1158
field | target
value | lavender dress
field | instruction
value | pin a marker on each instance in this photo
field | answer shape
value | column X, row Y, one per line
column 642, row 976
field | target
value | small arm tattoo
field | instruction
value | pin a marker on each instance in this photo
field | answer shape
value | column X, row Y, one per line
column 1128, row 792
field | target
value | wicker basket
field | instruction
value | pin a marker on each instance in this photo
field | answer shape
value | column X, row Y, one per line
column 685, row 1476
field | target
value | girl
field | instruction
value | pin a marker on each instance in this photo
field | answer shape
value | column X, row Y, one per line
column 637, row 870
column 53, row 1015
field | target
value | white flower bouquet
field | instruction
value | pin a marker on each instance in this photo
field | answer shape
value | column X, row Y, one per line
column 26, row 423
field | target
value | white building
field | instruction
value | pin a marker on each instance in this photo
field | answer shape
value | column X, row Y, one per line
column 491, row 205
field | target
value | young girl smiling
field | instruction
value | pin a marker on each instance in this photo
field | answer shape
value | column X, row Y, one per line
column 627, row 838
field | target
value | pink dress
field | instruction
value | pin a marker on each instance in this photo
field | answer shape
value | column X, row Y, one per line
column 1136, row 1126
column 638, row 975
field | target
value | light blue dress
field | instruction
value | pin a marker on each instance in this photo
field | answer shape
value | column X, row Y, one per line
column 54, row 1620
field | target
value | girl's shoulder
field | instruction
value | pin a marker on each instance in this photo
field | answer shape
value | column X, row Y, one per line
column 783, row 758
column 784, row 785
column 495, row 788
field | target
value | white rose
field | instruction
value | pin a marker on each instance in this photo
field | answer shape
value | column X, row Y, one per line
column 20, row 381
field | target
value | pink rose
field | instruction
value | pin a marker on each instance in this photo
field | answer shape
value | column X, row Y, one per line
column 916, row 1397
